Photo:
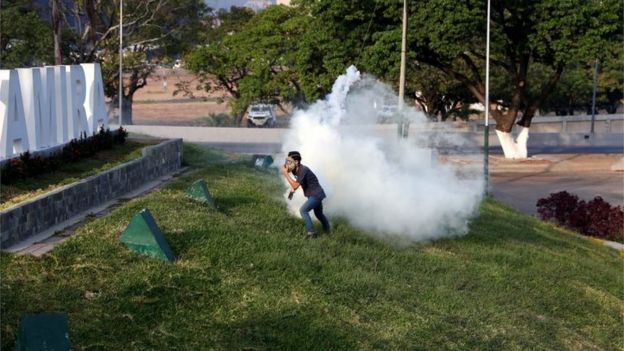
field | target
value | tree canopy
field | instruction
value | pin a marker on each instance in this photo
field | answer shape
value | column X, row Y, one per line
column 532, row 42
column 25, row 39
column 535, row 45
column 542, row 51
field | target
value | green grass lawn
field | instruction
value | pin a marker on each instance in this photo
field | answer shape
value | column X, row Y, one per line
column 246, row 279
column 68, row 173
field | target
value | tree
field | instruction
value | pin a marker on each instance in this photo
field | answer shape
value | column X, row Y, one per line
column 526, row 35
column 277, row 55
column 368, row 33
column 219, row 63
column 338, row 33
column 286, row 54
column 25, row 40
column 574, row 90
column 439, row 96
column 56, row 30
column 158, row 28
column 611, row 79
column 532, row 43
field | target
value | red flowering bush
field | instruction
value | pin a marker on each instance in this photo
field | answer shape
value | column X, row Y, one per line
column 120, row 136
column 27, row 165
column 594, row 218
column 13, row 169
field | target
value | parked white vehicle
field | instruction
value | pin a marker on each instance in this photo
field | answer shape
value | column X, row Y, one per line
column 261, row 115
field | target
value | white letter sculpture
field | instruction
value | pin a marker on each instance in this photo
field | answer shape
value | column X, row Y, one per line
column 94, row 103
column 76, row 114
column 14, row 137
column 45, row 107
column 34, row 102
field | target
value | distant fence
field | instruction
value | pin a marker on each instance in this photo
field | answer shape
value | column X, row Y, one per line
column 568, row 124
column 545, row 131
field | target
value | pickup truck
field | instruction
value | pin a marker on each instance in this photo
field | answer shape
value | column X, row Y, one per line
column 261, row 115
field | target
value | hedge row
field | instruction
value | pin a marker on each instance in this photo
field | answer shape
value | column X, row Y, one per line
column 26, row 165
column 595, row 218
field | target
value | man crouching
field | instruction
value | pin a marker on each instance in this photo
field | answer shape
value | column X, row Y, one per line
column 312, row 189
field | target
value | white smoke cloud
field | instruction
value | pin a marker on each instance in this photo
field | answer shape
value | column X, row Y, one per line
column 373, row 179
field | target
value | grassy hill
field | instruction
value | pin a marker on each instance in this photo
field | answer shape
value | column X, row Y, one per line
column 246, row 279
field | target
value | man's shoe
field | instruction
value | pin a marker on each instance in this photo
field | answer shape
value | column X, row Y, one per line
column 311, row 235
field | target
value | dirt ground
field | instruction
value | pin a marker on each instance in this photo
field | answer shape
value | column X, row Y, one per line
column 156, row 104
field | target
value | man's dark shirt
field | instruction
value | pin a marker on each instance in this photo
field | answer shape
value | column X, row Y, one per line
column 309, row 183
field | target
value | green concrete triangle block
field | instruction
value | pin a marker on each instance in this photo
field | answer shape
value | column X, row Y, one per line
column 199, row 192
column 142, row 235
column 262, row 161
column 43, row 331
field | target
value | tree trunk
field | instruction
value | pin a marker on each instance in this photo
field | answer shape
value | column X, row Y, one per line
column 126, row 104
column 504, row 121
column 514, row 149
column 56, row 29
column 239, row 121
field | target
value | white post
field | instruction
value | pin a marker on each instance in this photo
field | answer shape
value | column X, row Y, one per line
column 486, row 141
column 403, row 50
column 120, row 59
column 593, row 111
column 402, row 126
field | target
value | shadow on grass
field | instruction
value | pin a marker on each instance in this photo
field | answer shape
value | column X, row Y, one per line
column 227, row 205
column 303, row 329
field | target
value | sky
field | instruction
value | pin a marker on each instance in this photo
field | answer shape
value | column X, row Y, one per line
column 226, row 4
column 215, row 4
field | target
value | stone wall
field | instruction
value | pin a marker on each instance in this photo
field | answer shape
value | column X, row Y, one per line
column 34, row 216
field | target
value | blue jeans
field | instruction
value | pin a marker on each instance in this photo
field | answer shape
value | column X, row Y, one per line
column 313, row 203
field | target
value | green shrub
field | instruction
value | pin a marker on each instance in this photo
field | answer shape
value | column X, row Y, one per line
column 26, row 165
column 216, row 120
column 595, row 218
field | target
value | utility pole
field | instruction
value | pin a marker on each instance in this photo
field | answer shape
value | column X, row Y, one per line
column 120, row 60
column 593, row 112
column 486, row 132
column 402, row 125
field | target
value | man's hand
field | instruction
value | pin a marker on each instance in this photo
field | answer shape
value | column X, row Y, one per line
column 293, row 183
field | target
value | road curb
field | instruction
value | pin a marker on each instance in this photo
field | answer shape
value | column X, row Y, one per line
column 608, row 243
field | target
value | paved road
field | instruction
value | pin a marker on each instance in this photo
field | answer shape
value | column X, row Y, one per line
column 537, row 150
column 521, row 183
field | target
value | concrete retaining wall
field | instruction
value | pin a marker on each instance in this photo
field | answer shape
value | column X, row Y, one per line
column 559, row 131
column 603, row 124
column 31, row 217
